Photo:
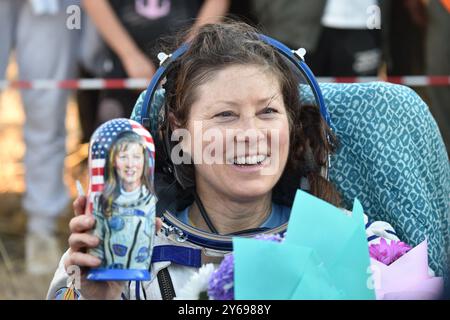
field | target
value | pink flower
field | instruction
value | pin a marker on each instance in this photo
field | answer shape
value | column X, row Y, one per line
column 388, row 253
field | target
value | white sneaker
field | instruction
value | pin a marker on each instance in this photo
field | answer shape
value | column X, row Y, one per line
column 42, row 253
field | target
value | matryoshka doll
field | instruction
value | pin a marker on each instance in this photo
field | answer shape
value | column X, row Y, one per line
column 121, row 198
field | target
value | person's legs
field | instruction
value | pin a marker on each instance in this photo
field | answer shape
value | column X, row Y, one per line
column 116, row 104
column 355, row 53
column 438, row 63
column 319, row 60
column 88, row 101
column 8, row 17
column 46, row 49
column 92, row 64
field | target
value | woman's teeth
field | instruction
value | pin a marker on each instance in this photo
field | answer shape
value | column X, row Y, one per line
column 250, row 160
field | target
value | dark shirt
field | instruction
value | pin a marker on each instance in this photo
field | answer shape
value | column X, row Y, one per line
column 148, row 20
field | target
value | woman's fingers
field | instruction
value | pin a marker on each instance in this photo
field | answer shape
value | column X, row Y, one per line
column 79, row 205
column 81, row 223
column 82, row 260
column 78, row 241
column 158, row 224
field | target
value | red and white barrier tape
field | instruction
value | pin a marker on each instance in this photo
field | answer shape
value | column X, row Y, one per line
column 96, row 84
column 411, row 81
column 82, row 84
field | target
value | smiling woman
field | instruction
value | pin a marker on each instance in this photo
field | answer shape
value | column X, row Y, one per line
column 243, row 146
column 127, row 169
column 232, row 83
column 129, row 166
column 247, row 190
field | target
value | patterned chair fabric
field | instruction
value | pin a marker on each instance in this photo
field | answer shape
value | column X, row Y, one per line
column 391, row 157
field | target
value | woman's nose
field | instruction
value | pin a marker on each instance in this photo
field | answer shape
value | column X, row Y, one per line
column 252, row 129
column 129, row 162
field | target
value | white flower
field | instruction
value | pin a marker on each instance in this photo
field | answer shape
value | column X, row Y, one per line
column 196, row 284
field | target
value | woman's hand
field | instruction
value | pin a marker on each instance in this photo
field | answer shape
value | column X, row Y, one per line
column 138, row 65
column 79, row 241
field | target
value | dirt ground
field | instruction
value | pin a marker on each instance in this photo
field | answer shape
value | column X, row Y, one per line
column 15, row 283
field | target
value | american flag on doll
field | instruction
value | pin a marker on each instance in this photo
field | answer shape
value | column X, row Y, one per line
column 100, row 145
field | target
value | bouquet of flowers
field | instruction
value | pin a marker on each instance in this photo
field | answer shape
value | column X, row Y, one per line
column 305, row 264
column 401, row 272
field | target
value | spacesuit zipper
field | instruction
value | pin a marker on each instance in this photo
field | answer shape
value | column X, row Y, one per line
column 166, row 285
column 133, row 244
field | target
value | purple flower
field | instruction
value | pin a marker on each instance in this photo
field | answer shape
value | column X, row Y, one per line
column 270, row 237
column 221, row 283
column 388, row 253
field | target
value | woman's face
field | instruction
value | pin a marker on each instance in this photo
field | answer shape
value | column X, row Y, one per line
column 129, row 164
column 242, row 118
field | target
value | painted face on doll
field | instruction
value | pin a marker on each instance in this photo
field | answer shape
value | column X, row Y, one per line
column 129, row 164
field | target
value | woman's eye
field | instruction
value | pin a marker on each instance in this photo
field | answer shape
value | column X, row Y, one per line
column 225, row 114
column 269, row 110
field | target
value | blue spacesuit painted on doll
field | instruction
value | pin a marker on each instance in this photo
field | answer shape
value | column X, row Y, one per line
column 126, row 234
column 122, row 200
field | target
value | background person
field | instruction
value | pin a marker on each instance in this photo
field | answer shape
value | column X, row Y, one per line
column 45, row 49
column 130, row 29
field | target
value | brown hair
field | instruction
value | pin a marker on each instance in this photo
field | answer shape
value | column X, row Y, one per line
column 216, row 46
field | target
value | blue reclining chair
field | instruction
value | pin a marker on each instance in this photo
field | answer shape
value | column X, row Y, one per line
column 391, row 157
